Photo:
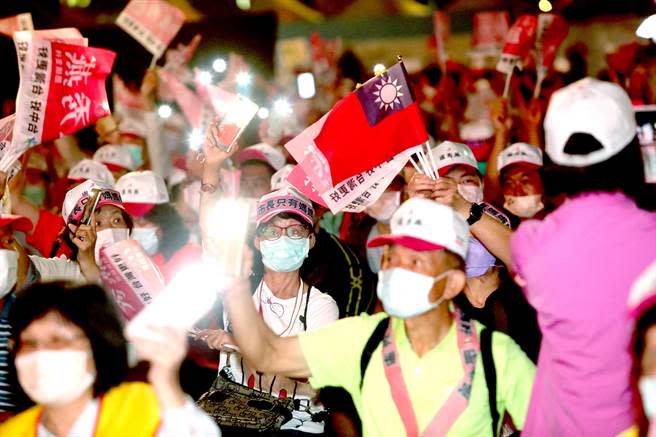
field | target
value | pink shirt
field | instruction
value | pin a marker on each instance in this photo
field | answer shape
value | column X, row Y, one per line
column 579, row 264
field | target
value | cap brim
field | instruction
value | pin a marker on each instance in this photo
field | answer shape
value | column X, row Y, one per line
column 413, row 243
column 138, row 209
column 445, row 170
column 17, row 223
column 527, row 165
column 114, row 167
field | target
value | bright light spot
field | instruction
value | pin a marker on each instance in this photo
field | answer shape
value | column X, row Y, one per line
column 105, row 105
column 263, row 113
column 647, row 28
column 244, row 4
column 205, row 77
column 219, row 65
column 164, row 111
column 545, row 6
column 305, row 84
column 282, row 106
column 243, row 78
column 379, row 68
column 221, row 106
column 196, row 139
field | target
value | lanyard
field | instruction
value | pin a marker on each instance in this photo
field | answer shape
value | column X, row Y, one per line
column 297, row 301
column 458, row 399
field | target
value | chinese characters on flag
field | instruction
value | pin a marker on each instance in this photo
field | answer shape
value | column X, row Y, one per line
column 153, row 23
column 9, row 25
column 62, row 90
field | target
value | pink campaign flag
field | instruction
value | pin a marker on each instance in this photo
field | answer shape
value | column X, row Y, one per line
column 190, row 103
column 62, row 90
column 9, row 25
column 489, row 31
column 130, row 276
column 217, row 97
column 153, row 23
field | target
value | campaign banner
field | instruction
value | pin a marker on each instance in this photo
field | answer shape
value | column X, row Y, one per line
column 153, row 23
column 68, row 35
column 489, row 31
column 62, row 90
column 130, row 276
column 9, row 25
column 238, row 115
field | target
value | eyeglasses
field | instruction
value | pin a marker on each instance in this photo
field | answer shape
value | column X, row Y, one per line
column 295, row 232
column 53, row 343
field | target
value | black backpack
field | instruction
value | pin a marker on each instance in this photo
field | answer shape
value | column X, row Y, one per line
column 486, row 356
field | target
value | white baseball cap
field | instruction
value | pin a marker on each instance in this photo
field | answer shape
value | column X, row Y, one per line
column 588, row 106
column 643, row 292
column 141, row 191
column 262, row 152
column 422, row 224
column 115, row 156
column 90, row 169
column 520, row 153
column 76, row 199
column 448, row 154
column 279, row 178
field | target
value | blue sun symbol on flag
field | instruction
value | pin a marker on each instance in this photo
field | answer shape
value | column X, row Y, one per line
column 387, row 93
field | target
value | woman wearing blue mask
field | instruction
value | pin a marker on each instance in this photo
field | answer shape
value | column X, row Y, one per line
column 284, row 236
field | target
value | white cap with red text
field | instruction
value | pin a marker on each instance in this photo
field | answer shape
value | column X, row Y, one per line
column 422, row 224
column 520, row 153
column 90, row 169
column 141, row 191
column 262, row 152
column 448, row 154
column 588, row 106
column 115, row 156
column 76, row 199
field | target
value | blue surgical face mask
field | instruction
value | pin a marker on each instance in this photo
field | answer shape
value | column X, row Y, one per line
column 148, row 239
column 136, row 153
column 284, row 254
column 647, row 386
column 36, row 194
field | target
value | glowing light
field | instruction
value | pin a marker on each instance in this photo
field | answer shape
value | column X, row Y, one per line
column 282, row 106
column 196, row 139
column 545, row 6
column 164, row 111
column 305, row 84
column 205, row 77
column 219, row 65
column 243, row 78
column 379, row 68
column 263, row 113
column 243, row 4
column 647, row 28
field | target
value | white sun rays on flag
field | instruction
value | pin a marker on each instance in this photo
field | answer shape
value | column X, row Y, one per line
column 387, row 93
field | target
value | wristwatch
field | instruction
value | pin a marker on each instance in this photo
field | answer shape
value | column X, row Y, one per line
column 475, row 214
column 208, row 188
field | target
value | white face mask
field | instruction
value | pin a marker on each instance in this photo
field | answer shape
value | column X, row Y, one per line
column 647, row 387
column 524, row 206
column 8, row 271
column 471, row 193
column 107, row 237
column 383, row 208
column 54, row 377
column 148, row 239
column 404, row 293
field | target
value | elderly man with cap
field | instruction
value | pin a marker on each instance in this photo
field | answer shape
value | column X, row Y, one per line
column 258, row 163
column 418, row 369
column 284, row 302
column 577, row 264
column 17, row 271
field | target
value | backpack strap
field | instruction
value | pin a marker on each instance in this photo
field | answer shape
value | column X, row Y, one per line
column 373, row 342
column 490, row 376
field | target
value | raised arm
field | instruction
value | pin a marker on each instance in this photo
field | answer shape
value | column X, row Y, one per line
column 502, row 124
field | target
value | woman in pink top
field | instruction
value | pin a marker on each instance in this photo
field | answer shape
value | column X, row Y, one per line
column 578, row 264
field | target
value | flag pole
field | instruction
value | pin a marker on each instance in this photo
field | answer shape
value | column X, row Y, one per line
column 432, row 159
column 506, row 87
column 153, row 62
column 414, row 164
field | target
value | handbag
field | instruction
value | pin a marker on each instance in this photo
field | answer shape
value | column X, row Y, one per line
column 236, row 407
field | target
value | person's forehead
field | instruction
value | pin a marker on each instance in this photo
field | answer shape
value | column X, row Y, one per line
column 459, row 171
column 436, row 256
column 255, row 169
column 108, row 211
column 279, row 221
column 518, row 170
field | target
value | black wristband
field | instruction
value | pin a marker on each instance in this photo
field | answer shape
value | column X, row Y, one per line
column 475, row 214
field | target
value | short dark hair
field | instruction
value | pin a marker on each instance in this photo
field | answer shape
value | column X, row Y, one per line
column 623, row 172
column 174, row 232
column 89, row 308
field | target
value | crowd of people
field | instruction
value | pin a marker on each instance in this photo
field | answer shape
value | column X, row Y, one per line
column 512, row 292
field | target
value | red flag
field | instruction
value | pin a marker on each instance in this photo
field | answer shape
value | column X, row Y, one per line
column 552, row 31
column 62, row 90
column 372, row 124
column 519, row 41
column 489, row 30
column 152, row 23
column 9, row 25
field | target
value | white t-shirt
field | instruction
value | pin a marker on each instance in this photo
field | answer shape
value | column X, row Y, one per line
column 58, row 269
column 285, row 317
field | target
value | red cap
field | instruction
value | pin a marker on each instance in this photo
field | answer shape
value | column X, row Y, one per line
column 16, row 222
column 413, row 243
column 138, row 209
